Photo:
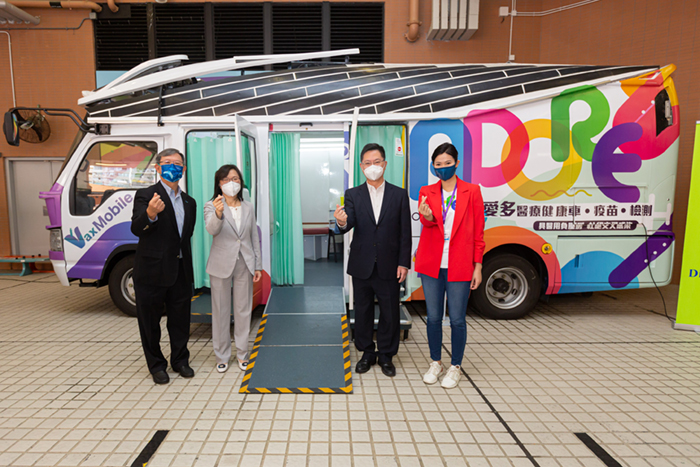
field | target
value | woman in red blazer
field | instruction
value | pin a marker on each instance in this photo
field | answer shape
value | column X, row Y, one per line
column 449, row 257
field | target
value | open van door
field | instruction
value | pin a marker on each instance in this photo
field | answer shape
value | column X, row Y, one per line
column 208, row 150
column 249, row 142
column 350, row 170
column 247, row 145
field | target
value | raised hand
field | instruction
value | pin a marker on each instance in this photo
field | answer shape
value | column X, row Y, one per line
column 425, row 210
column 155, row 206
column 219, row 206
column 340, row 216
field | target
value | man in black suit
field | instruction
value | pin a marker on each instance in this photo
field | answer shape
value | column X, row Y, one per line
column 163, row 219
column 380, row 256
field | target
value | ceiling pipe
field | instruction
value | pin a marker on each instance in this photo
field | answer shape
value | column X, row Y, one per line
column 413, row 22
column 67, row 4
column 10, row 13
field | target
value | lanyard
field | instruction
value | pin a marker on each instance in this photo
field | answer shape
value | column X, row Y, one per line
column 445, row 209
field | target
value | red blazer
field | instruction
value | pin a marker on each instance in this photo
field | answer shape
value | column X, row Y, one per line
column 467, row 239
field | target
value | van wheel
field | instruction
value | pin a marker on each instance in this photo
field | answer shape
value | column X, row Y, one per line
column 510, row 288
column 121, row 286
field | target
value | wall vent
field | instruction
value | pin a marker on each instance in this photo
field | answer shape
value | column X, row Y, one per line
column 454, row 20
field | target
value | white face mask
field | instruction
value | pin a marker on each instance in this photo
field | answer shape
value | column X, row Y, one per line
column 231, row 188
column 374, row 172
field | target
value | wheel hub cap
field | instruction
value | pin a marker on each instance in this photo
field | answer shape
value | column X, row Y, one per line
column 507, row 288
column 128, row 287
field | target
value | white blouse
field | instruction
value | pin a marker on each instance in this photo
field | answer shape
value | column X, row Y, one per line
column 449, row 220
column 236, row 213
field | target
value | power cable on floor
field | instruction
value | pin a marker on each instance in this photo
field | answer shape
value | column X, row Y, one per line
column 646, row 245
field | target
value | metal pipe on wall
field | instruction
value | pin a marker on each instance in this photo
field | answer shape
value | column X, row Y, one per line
column 413, row 22
column 68, row 4
column 12, row 73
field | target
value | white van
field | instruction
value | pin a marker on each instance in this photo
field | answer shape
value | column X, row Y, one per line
column 577, row 164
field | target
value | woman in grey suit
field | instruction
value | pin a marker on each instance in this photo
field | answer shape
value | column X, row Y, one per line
column 234, row 264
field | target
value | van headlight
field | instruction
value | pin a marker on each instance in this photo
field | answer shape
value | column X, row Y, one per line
column 55, row 240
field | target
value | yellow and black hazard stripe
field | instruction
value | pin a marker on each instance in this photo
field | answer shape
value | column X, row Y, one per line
column 253, row 356
column 195, row 297
column 347, row 389
column 345, row 325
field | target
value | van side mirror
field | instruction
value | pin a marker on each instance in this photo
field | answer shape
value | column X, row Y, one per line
column 11, row 127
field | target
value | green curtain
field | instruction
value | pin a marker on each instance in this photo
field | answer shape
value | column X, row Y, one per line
column 285, row 195
column 206, row 152
column 386, row 136
column 246, row 170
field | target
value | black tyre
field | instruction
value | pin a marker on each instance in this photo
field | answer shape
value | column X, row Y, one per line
column 510, row 288
column 121, row 286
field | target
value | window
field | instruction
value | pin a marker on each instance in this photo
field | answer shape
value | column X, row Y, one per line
column 121, row 42
column 296, row 28
column 238, row 29
column 358, row 25
column 664, row 111
column 179, row 29
column 111, row 166
column 207, row 31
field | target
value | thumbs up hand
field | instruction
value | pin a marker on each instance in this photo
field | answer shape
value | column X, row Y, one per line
column 424, row 209
column 340, row 216
column 219, row 206
column 155, row 206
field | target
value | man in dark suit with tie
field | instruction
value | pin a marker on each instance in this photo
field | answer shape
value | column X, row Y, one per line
column 380, row 257
column 163, row 219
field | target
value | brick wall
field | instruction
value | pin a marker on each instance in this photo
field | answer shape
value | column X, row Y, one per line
column 51, row 68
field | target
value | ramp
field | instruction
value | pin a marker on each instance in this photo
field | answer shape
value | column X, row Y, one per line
column 302, row 345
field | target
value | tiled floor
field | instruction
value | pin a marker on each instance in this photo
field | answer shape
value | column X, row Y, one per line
column 75, row 392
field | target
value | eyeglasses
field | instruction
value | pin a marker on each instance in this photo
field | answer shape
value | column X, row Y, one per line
column 231, row 179
column 367, row 163
column 175, row 162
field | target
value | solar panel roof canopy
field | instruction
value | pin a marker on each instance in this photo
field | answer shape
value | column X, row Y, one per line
column 339, row 89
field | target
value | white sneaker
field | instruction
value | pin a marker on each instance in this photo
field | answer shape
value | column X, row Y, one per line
column 434, row 372
column 243, row 365
column 222, row 367
column 452, row 377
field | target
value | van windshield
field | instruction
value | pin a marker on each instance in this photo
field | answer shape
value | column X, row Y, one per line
column 74, row 145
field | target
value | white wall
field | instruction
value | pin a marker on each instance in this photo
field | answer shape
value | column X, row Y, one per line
column 321, row 177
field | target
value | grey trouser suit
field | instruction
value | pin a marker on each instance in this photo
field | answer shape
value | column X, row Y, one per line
column 234, row 258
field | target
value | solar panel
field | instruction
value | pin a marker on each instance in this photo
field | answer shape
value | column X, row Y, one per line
column 337, row 89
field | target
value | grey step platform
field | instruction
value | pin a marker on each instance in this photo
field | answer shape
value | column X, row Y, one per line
column 302, row 345
column 200, row 310
column 405, row 320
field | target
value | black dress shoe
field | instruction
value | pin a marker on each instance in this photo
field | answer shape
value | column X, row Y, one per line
column 185, row 371
column 161, row 377
column 388, row 368
column 363, row 365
